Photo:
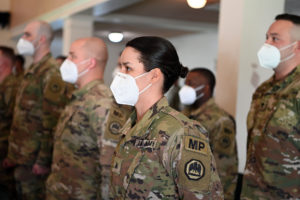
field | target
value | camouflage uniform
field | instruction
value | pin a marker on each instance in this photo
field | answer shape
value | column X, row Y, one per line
column 221, row 129
column 40, row 99
column 83, row 148
column 8, row 89
column 164, row 156
column 272, row 167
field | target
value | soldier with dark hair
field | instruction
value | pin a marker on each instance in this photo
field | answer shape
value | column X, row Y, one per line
column 162, row 154
column 198, row 95
column 272, row 167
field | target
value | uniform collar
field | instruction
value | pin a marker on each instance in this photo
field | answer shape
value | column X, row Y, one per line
column 34, row 67
column 141, row 127
column 204, row 106
column 85, row 89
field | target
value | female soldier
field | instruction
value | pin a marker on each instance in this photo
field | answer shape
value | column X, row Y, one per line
column 162, row 154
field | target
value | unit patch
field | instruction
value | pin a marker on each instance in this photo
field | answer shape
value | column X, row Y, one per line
column 115, row 127
column 195, row 145
column 194, row 170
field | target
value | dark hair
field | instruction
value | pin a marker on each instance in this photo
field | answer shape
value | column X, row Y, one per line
column 208, row 75
column 62, row 57
column 289, row 17
column 8, row 53
column 157, row 52
column 20, row 59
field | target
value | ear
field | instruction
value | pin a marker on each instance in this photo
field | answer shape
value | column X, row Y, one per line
column 42, row 39
column 156, row 75
column 298, row 45
column 92, row 63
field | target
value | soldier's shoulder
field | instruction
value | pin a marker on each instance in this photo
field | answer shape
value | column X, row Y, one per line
column 175, row 120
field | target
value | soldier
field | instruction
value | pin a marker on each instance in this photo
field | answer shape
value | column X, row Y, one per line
column 83, row 148
column 197, row 93
column 8, row 89
column 39, row 101
column 272, row 167
column 162, row 154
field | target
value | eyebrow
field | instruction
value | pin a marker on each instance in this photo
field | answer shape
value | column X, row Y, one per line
column 126, row 63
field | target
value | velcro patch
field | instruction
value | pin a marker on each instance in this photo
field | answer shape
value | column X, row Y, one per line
column 194, row 170
column 195, row 144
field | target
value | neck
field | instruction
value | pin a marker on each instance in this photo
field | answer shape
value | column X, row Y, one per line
column 146, row 101
column 40, row 53
column 89, row 77
column 285, row 68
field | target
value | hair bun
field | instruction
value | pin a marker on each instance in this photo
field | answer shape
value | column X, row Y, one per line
column 183, row 71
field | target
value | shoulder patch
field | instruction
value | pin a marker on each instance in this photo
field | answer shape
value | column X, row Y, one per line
column 115, row 127
column 194, row 170
column 195, row 144
column 225, row 141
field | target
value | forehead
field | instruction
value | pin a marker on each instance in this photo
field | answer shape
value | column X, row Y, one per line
column 195, row 76
column 281, row 27
column 32, row 28
column 130, row 53
column 77, row 47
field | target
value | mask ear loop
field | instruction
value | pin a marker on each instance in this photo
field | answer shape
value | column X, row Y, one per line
column 290, row 56
column 199, row 88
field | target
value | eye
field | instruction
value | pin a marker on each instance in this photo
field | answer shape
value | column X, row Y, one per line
column 128, row 69
column 274, row 39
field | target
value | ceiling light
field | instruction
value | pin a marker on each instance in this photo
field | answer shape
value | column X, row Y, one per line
column 196, row 3
column 115, row 37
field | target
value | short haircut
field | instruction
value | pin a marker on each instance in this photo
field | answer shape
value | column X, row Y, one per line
column 8, row 53
column 20, row 59
column 295, row 19
column 208, row 75
column 46, row 30
column 61, row 57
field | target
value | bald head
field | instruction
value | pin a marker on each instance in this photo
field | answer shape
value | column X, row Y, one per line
column 94, row 48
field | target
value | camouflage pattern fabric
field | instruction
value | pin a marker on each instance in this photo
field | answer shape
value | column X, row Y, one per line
column 164, row 156
column 40, row 98
column 272, row 167
column 8, row 90
column 83, row 149
column 221, row 129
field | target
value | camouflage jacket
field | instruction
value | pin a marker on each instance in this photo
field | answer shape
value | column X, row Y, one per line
column 40, row 98
column 272, row 167
column 164, row 156
column 221, row 129
column 83, row 149
column 8, row 90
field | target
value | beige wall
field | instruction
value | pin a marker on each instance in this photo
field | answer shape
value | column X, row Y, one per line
column 4, row 5
column 25, row 10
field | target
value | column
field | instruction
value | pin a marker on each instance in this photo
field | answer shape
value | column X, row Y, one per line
column 242, row 29
column 76, row 27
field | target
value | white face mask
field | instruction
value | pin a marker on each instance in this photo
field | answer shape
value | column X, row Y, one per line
column 125, row 89
column 69, row 71
column 188, row 95
column 269, row 56
column 25, row 47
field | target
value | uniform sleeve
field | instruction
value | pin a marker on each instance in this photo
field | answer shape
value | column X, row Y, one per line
column 54, row 99
column 98, row 118
column 189, row 160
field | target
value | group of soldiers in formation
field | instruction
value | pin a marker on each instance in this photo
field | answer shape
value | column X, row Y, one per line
column 64, row 134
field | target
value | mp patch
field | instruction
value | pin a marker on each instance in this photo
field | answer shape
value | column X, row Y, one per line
column 195, row 144
column 115, row 127
column 194, row 170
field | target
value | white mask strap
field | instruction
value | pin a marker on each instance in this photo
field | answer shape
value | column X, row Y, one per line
column 139, row 76
column 287, row 46
column 143, row 90
column 200, row 95
column 199, row 87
